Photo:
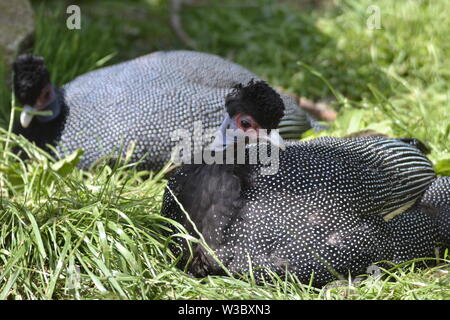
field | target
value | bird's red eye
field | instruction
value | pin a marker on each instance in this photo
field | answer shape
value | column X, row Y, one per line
column 245, row 124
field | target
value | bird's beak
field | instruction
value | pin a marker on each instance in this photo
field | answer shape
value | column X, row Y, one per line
column 26, row 116
column 221, row 140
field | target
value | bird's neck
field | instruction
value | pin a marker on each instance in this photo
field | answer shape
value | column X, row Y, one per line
column 211, row 194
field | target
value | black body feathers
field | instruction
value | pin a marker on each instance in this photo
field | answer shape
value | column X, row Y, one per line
column 212, row 194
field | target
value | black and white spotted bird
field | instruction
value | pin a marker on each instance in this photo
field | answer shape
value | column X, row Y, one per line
column 334, row 207
column 133, row 105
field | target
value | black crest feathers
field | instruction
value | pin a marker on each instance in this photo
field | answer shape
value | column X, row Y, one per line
column 30, row 77
column 258, row 100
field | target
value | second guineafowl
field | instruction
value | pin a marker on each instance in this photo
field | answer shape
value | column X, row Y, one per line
column 330, row 209
column 132, row 105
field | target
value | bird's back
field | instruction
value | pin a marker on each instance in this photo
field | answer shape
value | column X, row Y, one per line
column 364, row 175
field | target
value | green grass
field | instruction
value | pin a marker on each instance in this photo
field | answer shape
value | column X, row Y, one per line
column 68, row 234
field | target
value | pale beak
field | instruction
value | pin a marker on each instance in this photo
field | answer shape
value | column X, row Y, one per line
column 26, row 116
column 223, row 136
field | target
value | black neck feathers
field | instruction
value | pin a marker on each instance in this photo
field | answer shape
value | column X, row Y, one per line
column 45, row 132
column 212, row 196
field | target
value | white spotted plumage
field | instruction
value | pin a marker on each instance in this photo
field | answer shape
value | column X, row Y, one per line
column 322, row 213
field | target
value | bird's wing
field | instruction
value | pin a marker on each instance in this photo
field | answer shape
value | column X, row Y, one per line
column 395, row 173
column 370, row 175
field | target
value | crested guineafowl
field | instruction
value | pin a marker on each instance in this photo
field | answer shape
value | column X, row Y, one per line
column 334, row 207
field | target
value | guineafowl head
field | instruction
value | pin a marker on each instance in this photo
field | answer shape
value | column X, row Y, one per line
column 254, row 110
column 32, row 85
